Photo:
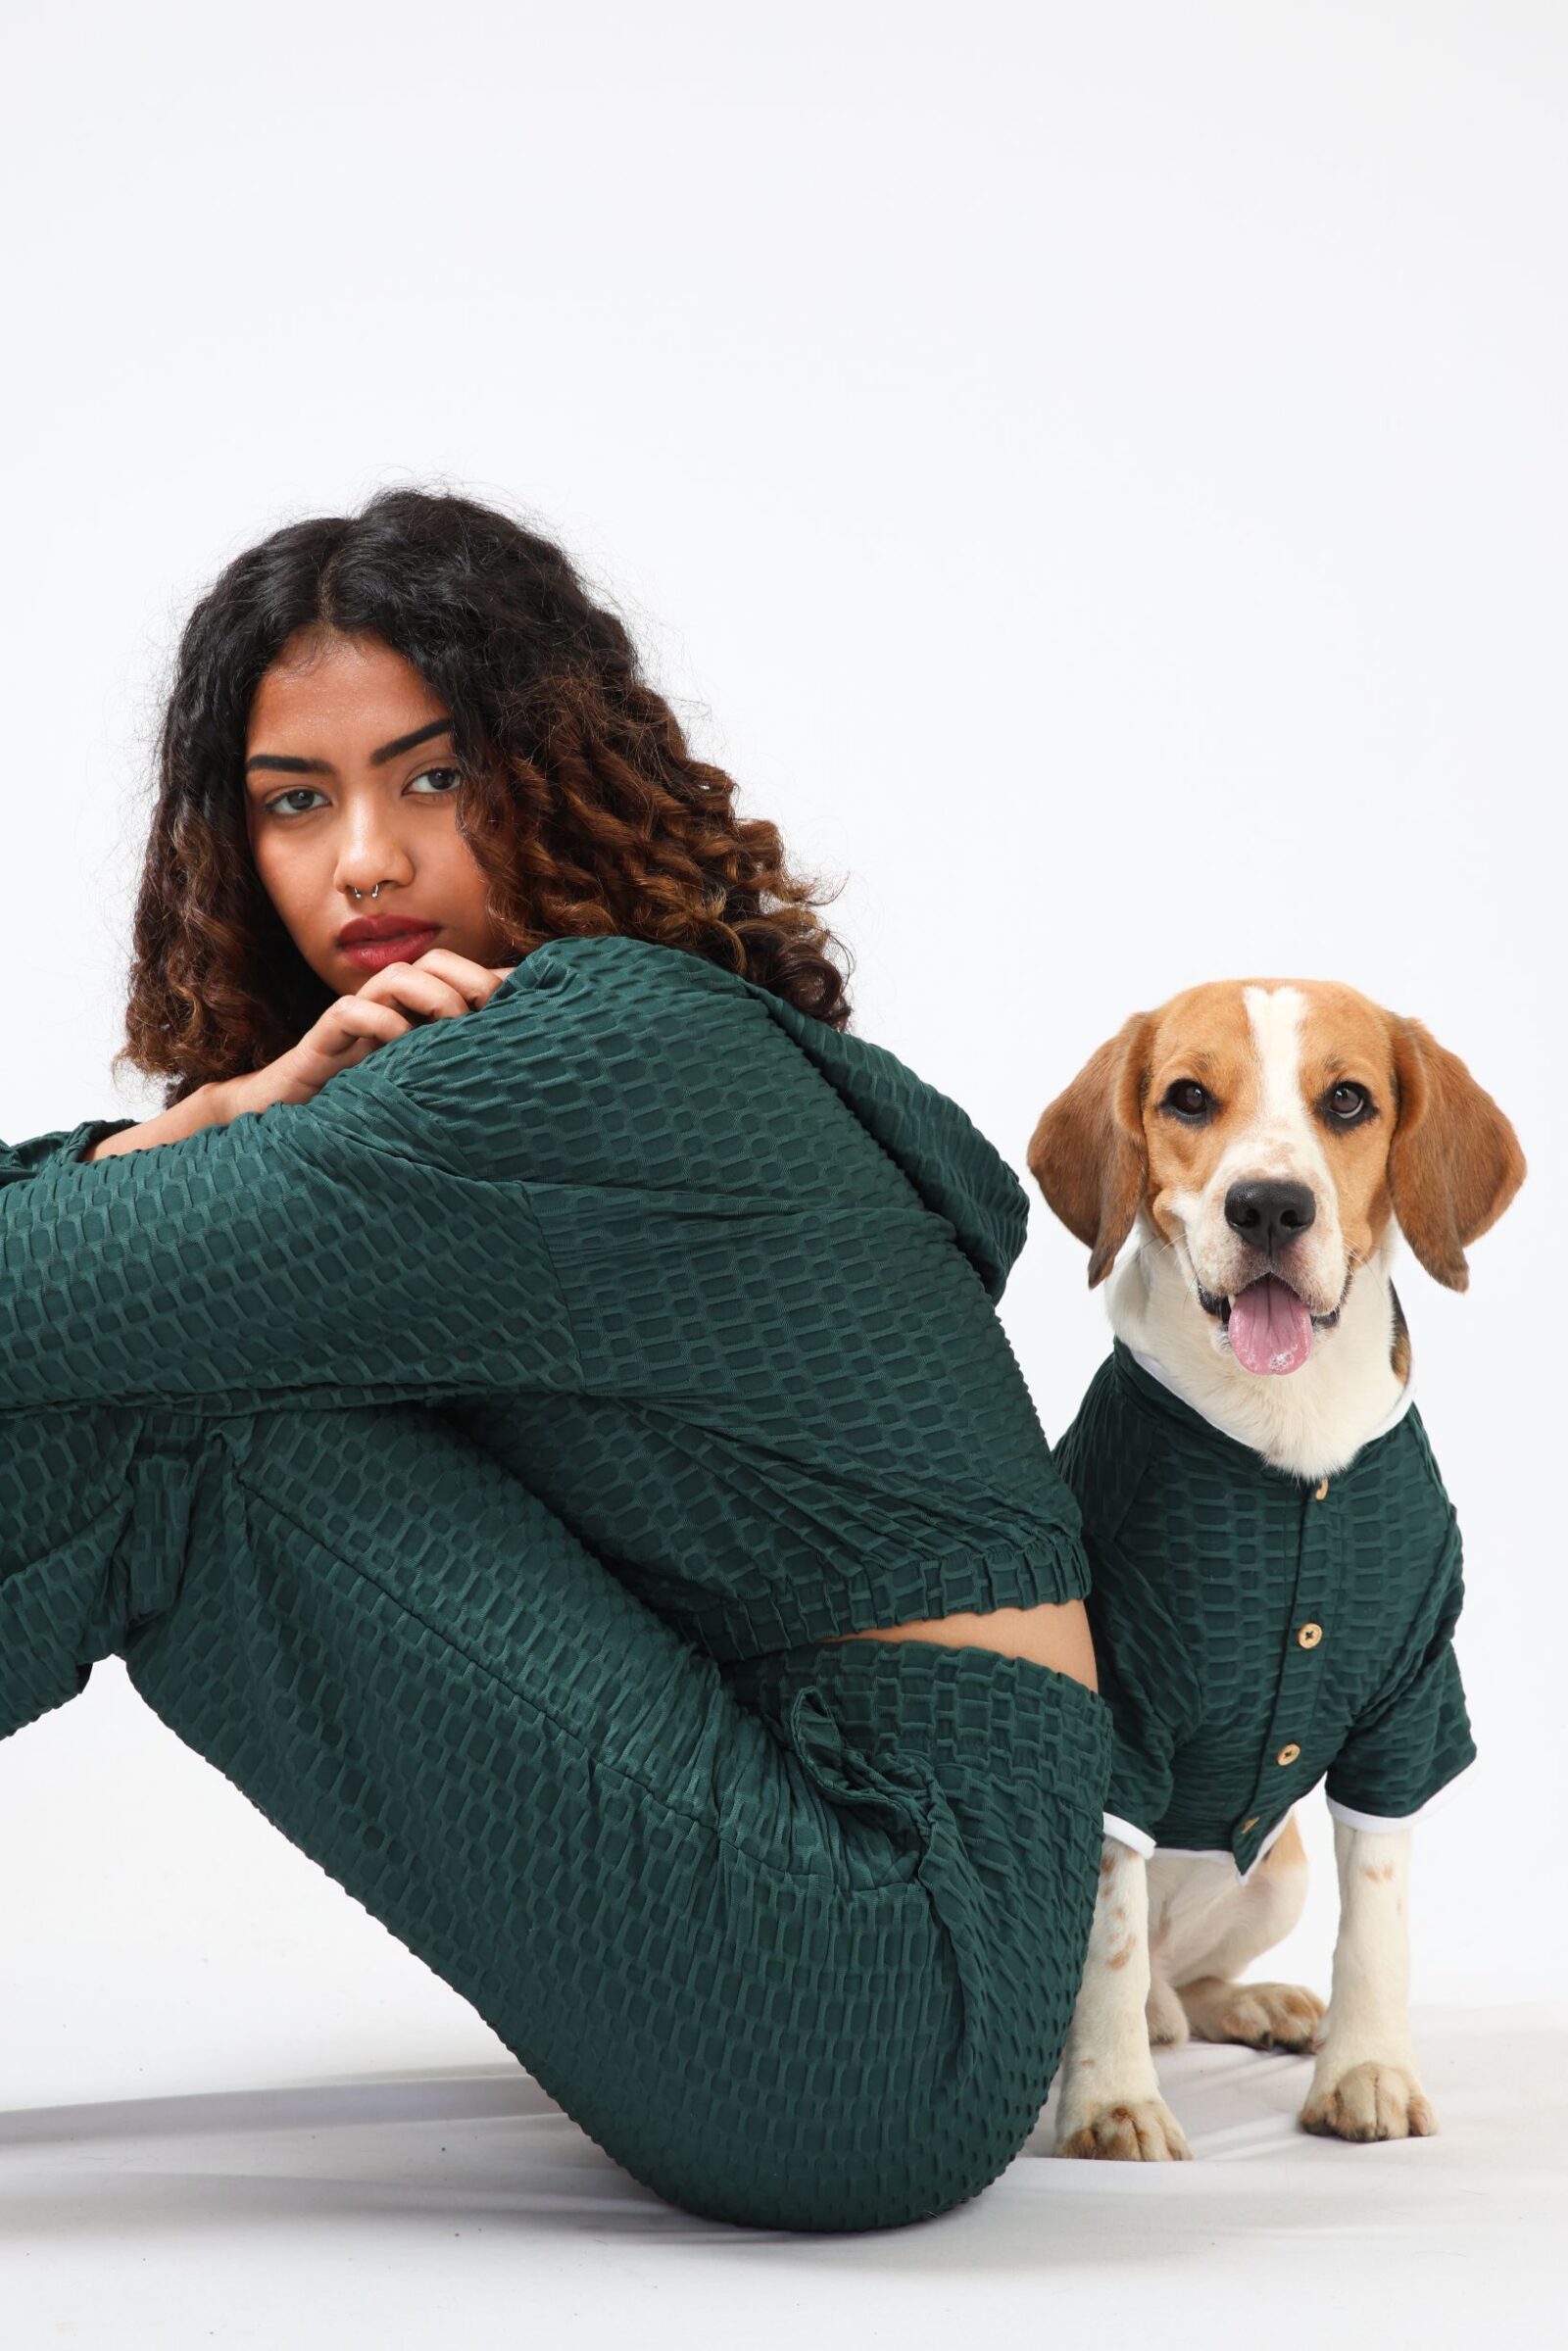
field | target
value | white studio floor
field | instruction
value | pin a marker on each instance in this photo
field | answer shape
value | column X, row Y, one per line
column 235, row 2110
column 454, row 2201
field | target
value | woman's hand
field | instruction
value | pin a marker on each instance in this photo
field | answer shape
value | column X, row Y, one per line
column 437, row 986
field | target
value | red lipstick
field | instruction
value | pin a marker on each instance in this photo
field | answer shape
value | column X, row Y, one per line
column 372, row 941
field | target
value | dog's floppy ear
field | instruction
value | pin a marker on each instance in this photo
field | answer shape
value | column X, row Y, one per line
column 1087, row 1152
column 1455, row 1162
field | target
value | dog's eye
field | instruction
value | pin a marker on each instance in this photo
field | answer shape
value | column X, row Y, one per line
column 1187, row 1098
column 1346, row 1102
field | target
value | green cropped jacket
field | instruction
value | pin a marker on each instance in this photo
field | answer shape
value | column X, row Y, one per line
column 689, row 1255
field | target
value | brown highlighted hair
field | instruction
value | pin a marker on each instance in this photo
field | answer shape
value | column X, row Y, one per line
column 580, row 798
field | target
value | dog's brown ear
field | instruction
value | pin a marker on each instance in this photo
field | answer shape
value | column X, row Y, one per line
column 1455, row 1162
column 1087, row 1151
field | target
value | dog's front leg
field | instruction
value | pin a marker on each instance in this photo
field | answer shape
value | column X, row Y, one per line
column 1365, row 2083
column 1110, row 2103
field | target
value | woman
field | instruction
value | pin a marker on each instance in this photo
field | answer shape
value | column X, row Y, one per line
column 531, row 1409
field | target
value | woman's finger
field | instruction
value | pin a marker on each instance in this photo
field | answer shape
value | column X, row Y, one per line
column 354, row 1020
column 426, row 993
column 472, row 981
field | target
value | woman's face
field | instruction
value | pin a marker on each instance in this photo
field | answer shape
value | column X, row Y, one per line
column 348, row 783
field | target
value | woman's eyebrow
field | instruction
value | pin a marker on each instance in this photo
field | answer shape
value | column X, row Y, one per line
column 378, row 759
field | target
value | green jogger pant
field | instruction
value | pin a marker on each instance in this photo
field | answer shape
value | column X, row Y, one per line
column 793, row 1939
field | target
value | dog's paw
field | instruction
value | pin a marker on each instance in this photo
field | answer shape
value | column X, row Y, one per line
column 1164, row 2017
column 1260, row 2016
column 1137, row 2131
column 1371, row 2100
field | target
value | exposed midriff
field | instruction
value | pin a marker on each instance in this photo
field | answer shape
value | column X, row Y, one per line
column 1053, row 1633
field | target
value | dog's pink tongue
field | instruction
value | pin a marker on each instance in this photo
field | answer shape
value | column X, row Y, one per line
column 1270, row 1330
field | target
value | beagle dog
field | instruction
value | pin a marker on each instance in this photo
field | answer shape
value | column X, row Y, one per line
column 1264, row 1142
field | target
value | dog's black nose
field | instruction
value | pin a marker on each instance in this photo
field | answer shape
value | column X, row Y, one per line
column 1270, row 1214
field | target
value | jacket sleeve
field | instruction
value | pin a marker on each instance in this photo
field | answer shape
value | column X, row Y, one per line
column 1414, row 1741
column 1149, row 1680
column 19, row 1160
column 1146, row 1675
column 1145, row 1690
column 336, row 1252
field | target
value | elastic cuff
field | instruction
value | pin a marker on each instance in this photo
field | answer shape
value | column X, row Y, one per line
column 1125, row 1834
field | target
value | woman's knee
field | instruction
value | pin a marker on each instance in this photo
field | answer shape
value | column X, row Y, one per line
column 883, row 2170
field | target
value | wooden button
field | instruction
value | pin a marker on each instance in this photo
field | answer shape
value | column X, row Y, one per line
column 1309, row 1636
column 1321, row 1492
column 1288, row 1753
column 1252, row 1824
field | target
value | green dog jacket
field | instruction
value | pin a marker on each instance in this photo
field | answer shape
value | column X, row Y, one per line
column 1257, row 1631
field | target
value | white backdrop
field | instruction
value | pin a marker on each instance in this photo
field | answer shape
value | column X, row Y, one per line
column 1094, row 474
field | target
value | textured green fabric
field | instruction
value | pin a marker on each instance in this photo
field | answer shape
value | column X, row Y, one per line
column 469, row 1462
column 772, row 1393
column 1207, row 1561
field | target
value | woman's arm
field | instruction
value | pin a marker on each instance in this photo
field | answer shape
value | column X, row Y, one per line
column 208, row 1105
column 318, row 1251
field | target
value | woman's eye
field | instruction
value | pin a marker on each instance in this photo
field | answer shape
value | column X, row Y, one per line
column 1188, row 1097
column 1355, row 1101
column 277, row 805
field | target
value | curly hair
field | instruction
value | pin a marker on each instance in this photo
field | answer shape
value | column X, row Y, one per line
column 580, row 797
